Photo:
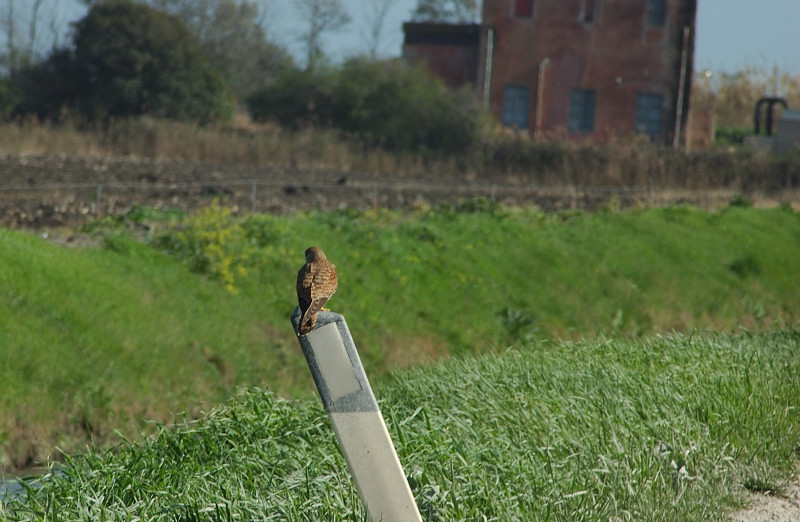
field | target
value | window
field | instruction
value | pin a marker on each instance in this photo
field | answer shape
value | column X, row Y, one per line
column 656, row 13
column 587, row 14
column 523, row 8
column 516, row 106
column 581, row 110
column 649, row 114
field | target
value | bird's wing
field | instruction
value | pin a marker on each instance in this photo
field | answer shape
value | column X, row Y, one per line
column 324, row 283
column 304, row 287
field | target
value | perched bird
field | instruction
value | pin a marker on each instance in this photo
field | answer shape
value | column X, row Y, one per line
column 317, row 280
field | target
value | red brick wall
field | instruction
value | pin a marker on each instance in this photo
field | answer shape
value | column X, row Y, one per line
column 455, row 65
column 617, row 55
column 450, row 51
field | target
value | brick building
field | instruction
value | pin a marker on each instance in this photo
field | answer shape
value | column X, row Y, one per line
column 450, row 51
column 586, row 70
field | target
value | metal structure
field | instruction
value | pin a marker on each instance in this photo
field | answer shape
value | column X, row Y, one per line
column 356, row 419
column 770, row 102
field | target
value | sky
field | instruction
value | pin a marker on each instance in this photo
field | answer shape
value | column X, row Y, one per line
column 731, row 34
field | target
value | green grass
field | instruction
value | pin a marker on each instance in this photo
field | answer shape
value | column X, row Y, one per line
column 98, row 339
column 481, row 275
column 668, row 428
column 102, row 338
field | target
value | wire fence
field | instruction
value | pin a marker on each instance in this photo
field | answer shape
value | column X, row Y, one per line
column 291, row 194
column 364, row 192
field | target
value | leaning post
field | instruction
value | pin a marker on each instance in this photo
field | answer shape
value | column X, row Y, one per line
column 356, row 419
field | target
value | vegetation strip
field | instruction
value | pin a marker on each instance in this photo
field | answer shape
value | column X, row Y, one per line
column 98, row 339
column 665, row 428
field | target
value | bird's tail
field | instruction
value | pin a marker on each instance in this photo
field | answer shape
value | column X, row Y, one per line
column 306, row 324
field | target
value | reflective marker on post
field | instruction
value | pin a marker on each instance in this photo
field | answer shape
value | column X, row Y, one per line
column 356, row 419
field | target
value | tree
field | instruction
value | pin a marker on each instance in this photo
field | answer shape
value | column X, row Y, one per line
column 47, row 88
column 21, row 26
column 451, row 11
column 8, row 97
column 232, row 36
column 128, row 59
column 321, row 16
column 10, row 57
column 375, row 14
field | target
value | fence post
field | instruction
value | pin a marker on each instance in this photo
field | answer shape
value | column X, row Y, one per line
column 253, row 197
column 98, row 198
column 356, row 419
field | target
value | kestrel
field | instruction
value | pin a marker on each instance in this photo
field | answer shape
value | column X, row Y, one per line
column 317, row 280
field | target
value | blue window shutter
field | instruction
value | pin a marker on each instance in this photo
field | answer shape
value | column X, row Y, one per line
column 516, row 106
column 582, row 105
column 649, row 114
column 656, row 13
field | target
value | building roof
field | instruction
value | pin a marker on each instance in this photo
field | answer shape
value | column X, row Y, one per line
column 428, row 33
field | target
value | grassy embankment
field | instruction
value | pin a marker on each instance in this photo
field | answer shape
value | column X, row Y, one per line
column 669, row 428
column 98, row 339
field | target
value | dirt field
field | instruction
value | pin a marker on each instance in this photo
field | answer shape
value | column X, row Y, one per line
column 39, row 191
column 770, row 508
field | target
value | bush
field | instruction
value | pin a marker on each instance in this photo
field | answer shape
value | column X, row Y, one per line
column 386, row 103
column 731, row 135
column 510, row 153
column 210, row 243
column 741, row 201
column 404, row 107
column 47, row 88
column 8, row 97
column 296, row 99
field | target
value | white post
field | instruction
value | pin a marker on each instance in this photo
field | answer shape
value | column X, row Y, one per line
column 487, row 71
column 356, row 419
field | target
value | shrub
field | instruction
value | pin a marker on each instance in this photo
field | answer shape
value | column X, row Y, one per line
column 8, row 97
column 297, row 98
column 386, row 103
column 47, row 88
column 741, row 201
column 509, row 153
column 731, row 135
column 403, row 107
column 210, row 243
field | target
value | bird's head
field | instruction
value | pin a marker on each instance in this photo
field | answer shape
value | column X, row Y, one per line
column 313, row 253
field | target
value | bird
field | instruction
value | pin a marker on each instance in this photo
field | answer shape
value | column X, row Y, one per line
column 317, row 281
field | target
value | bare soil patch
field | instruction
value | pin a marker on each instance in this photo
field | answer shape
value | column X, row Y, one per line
column 48, row 190
column 771, row 508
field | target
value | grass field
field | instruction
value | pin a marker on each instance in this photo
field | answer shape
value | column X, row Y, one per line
column 670, row 428
column 99, row 339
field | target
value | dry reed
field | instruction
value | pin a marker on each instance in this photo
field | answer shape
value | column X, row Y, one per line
column 495, row 158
